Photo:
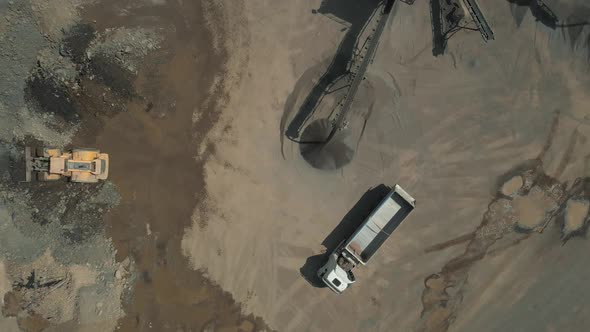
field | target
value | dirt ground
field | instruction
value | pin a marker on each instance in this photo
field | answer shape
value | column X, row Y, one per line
column 216, row 216
column 450, row 129
column 122, row 76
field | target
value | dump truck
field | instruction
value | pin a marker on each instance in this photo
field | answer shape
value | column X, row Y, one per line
column 366, row 240
column 77, row 165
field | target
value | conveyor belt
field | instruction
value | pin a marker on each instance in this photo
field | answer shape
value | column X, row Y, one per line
column 358, row 71
column 480, row 20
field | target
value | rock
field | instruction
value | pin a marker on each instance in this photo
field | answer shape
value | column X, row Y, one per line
column 118, row 274
column 126, row 263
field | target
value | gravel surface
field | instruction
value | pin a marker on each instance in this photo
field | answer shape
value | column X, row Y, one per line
column 58, row 268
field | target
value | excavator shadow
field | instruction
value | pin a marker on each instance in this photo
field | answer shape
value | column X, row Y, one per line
column 349, row 223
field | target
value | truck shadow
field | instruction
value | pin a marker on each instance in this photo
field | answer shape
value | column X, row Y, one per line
column 349, row 223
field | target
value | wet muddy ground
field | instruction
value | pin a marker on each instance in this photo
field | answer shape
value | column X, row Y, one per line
column 527, row 200
column 152, row 145
column 130, row 78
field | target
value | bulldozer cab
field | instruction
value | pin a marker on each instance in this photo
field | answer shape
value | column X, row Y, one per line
column 81, row 166
column 89, row 171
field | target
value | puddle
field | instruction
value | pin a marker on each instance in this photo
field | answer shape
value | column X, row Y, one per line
column 575, row 216
column 528, row 199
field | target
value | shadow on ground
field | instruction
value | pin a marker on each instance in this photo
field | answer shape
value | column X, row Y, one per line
column 354, row 15
column 546, row 16
column 351, row 221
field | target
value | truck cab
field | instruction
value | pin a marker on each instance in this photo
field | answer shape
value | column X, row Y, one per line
column 336, row 276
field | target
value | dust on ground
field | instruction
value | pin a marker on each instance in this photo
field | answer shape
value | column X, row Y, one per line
column 452, row 130
column 128, row 78
column 170, row 106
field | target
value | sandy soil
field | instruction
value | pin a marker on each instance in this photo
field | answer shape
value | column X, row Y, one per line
column 212, row 220
column 448, row 129
column 137, row 80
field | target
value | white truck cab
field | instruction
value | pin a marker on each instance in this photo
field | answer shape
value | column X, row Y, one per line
column 334, row 276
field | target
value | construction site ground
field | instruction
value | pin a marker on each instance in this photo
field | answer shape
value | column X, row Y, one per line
column 211, row 219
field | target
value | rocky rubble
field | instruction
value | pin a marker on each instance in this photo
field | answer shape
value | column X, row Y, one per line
column 56, row 255
column 57, row 266
column 127, row 45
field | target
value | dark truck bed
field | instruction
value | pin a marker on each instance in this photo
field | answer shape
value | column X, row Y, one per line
column 379, row 225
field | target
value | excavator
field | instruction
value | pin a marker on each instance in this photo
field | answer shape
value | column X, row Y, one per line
column 77, row 165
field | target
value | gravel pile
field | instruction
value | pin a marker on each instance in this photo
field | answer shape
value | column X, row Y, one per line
column 127, row 45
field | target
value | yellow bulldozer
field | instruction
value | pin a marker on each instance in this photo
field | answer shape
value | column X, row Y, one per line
column 78, row 165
